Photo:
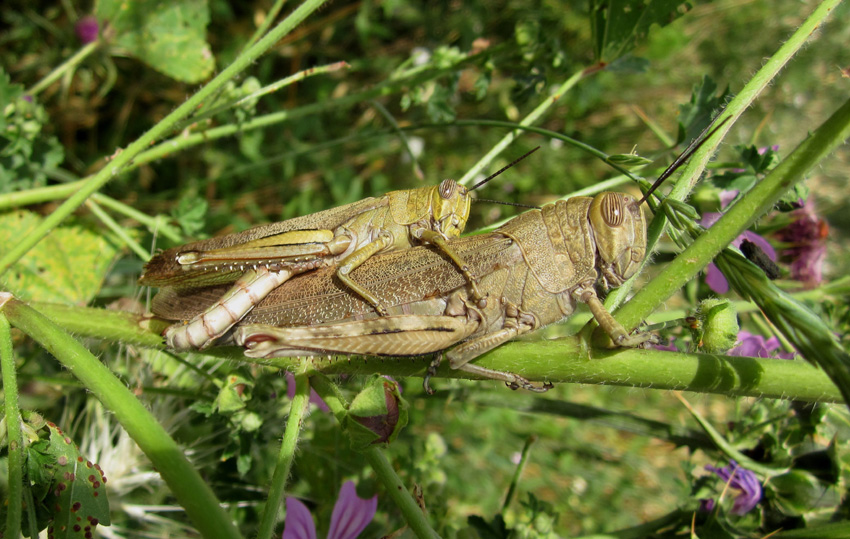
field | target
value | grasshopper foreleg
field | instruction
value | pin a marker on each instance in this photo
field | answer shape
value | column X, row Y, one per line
column 440, row 242
column 355, row 259
column 614, row 329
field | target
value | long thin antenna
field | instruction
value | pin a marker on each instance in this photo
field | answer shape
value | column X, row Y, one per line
column 506, row 167
column 684, row 156
column 503, row 203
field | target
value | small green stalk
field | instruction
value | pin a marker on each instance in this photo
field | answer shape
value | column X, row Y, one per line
column 15, row 439
column 297, row 411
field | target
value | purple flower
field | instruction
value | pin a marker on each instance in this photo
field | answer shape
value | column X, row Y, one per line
column 314, row 397
column 87, row 29
column 742, row 480
column 713, row 276
column 756, row 346
column 806, row 236
column 669, row 347
column 351, row 515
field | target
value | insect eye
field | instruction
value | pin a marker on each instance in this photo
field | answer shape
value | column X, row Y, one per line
column 447, row 188
column 612, row 209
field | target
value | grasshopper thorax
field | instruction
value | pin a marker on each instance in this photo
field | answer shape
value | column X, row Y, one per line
column 450, row 204
column 620, row 233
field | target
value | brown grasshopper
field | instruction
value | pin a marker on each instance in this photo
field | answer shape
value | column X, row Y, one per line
column 532, row 272
column 256, row 261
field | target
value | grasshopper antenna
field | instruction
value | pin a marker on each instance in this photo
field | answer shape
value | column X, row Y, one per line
column 506, row 167
column 684, row 156
column 503, row 203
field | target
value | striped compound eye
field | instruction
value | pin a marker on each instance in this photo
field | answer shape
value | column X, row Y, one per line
column 612, row 209
column 447, row 189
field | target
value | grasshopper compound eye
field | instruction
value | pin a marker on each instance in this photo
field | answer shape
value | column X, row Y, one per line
column 447, row 189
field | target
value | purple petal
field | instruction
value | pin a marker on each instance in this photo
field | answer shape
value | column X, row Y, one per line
column 751, row 346
column 742, row 480
column 669, row 347
column 87, row 29
column 715, row 280
column 709, row 218
column 706, row 505
column 299, row 523
column 351, row 514
column 758, row 240
column 727, row 196
column 314, row 397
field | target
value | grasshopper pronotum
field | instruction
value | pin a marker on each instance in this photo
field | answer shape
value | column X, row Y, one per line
column 256, row 261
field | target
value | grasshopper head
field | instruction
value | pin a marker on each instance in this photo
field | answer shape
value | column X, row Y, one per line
column 450, row 203
column 620, row 233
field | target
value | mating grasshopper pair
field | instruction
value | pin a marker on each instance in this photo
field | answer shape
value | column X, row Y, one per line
column 476, row 292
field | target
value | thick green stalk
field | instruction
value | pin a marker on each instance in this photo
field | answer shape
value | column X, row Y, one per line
column 561, row 360
column 413, row 514
column 193, row 494
column 297, row 411
column 14, row 437
column 743, row 100
column 125, row 157
column 743, row 214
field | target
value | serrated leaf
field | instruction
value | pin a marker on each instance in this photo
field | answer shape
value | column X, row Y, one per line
column 170, row 36
column 617, row 27
column 68, row 266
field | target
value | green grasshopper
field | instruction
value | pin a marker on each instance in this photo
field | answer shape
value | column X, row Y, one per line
column 531, row 272
column 258, row 260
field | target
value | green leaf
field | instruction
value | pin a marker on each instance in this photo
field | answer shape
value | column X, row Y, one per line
column 25, row 151
column 617, row 27
column 190, row 214
column 798, row 493
column 68, row 266
column 167, row 35
column 697, row 114
column 74, row 500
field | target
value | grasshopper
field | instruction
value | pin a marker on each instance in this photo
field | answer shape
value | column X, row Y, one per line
column 531, row 272
column 256, row 261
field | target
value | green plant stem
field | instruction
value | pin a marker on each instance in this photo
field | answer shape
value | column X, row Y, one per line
column 128, row 155
column 559, row 360
column 297, row 410
column 265, row 90
column 413, row 514
column 266, row 24
column 411, row 78
column 753, row 205
column 743, row 100
column 535, row 115
column 56, row 192
column 193, row 494
column 15, row 439
column 526, row 448
column 117, row 229
column 66, row 66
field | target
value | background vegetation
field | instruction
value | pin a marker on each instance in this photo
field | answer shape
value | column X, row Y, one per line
column 400, row 114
